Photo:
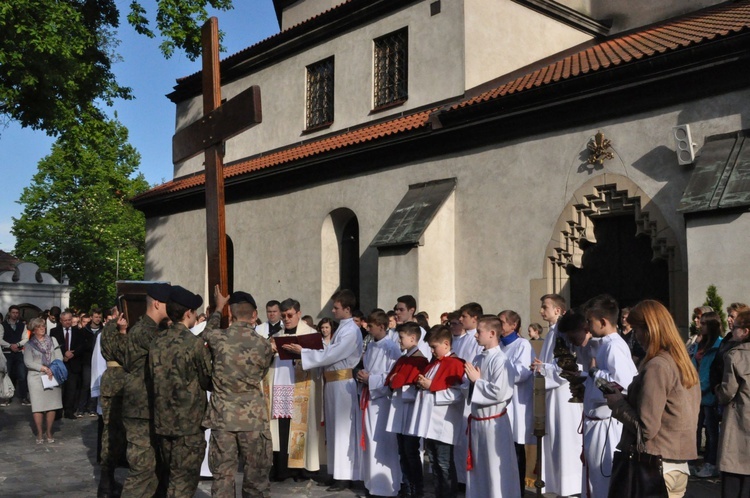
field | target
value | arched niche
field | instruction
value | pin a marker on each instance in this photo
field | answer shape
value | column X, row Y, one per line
column 339, row 254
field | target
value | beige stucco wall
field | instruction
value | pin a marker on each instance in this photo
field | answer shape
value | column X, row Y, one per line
column 434, row 42
column 305, row 9
column 502, row 36
column 508, row 200
column 719, row 252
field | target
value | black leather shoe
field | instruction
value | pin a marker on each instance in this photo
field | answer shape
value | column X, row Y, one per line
column 339, row 486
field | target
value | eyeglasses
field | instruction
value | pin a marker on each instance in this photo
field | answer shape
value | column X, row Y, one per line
column 288, row 315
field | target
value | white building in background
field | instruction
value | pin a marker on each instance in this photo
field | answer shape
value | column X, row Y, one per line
column 478, row 150
column 32, row 290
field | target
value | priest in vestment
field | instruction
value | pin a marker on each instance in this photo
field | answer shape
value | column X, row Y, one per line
column 295, row 405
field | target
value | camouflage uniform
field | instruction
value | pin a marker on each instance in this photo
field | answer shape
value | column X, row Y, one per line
column 142, row 480
column 237, row 413
column 180, row 368
column 111, row 391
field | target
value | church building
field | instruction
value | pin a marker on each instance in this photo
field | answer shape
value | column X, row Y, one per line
column 477, row 150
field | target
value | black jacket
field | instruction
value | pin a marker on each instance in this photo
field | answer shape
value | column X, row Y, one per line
column 79, row 344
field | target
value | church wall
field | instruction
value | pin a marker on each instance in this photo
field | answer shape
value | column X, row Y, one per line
column 303, row 10
column 718, row 252
column 508, row 200
column 176, row 250
column 434, row 42
column 502, row 36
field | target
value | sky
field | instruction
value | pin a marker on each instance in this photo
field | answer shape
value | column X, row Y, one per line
column 150, row 117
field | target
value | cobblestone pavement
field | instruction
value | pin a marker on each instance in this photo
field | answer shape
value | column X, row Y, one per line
column 68, row 467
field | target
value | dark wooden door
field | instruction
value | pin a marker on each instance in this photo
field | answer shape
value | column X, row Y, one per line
column 619, row 264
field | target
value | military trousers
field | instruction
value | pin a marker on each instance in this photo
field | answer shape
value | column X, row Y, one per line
column 142, row 480
column 182, row 457
column 114, row 442
column 254, row 449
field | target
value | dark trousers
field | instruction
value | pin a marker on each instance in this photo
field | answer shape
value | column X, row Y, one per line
column 444, row 468
column 709, row 417
column 411, row 463
column 280, row 469
column 735, row 485
column 71, row 390
column 84, row 393
column 17, row 371
column 521, row 457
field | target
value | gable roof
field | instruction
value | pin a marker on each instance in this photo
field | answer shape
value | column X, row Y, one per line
column 622, row 50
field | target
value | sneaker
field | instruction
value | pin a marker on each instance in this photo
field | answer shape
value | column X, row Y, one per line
column 78, row 415
column 708, row 470
column 5, row 402
column 26, row 402
column 93, row 414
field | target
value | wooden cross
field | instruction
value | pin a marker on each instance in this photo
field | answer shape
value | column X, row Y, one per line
column 208, row 134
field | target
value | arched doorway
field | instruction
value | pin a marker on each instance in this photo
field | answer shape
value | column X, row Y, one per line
column 612, row 238
column 620, row 264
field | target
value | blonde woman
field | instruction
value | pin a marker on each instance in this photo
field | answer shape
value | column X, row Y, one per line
column 664, row 398
column 39, row 353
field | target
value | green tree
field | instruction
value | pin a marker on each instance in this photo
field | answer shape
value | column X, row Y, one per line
column 714, row 300
column 56, row 55
column 76, row 216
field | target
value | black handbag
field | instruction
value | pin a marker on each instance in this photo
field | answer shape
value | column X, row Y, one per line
column 636, row 473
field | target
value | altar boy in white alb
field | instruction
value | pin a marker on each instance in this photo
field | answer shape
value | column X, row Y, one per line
column 613, row 363
column 341, row 404
column 561, row 447
column 492, row 469
column 380, row 468
column 520, row 356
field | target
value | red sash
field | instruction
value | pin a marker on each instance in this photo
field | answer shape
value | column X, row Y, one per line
column 469, row 458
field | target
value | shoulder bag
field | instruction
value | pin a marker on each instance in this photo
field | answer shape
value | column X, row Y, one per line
column 637, row 473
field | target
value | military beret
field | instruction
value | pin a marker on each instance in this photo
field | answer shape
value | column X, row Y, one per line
column 184, row 297
column 242, row 297
column 159, row 291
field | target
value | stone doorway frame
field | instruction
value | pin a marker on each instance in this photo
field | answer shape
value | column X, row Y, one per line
column 612, row 195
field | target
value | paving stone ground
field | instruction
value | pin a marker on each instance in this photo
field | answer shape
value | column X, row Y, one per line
column 68, row 466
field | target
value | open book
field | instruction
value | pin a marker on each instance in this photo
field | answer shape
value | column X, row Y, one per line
column 307, row 341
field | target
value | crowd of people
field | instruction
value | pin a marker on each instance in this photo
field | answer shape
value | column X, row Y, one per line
column 369, row 396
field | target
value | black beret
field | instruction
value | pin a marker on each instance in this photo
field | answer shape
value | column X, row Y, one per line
column 159, row 291
column 184, row 297
column 242, row 297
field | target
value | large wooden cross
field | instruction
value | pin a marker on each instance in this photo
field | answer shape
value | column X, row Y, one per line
column 207, row 135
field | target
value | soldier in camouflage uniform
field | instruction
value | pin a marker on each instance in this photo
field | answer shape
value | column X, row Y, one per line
column 180, row 371
column 112, row 344
column 237, row 414
column 143, row 479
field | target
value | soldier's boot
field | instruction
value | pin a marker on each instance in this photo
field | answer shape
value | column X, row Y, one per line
column 105, row 482
column 108, row 487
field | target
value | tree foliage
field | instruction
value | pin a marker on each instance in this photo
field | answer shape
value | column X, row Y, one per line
column 714, row 300
column 76, row 217
column 56, row 56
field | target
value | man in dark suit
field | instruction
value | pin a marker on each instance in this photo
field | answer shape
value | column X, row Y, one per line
column 74, row 347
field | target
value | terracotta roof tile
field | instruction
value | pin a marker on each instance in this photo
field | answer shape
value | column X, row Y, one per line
column 621, row 49
column 301, row 151
column 671, row 35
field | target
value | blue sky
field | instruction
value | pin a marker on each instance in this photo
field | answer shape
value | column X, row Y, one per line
column 149, row 117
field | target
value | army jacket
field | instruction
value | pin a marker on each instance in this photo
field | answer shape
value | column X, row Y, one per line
column 136, row 403
column 112, row 344
column 241, row 360
column 180, row 372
